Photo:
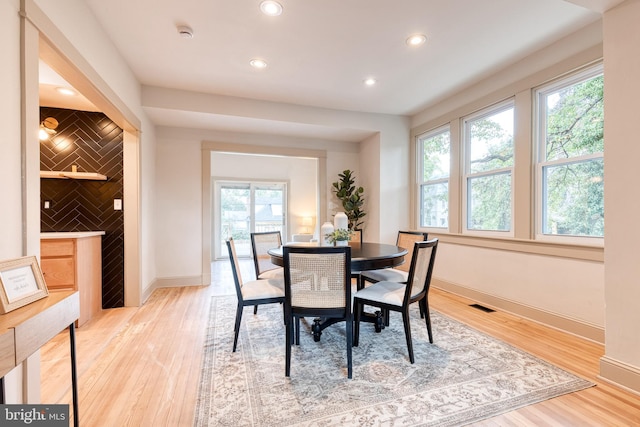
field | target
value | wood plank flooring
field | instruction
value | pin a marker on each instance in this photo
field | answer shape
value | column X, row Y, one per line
column 141, row 366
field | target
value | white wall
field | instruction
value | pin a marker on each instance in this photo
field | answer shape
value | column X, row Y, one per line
column 567, row 287
column 622, row 200
column 10, row 172
column 11, row 227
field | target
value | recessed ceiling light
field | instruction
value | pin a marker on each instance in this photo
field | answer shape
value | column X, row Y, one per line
column 370, row 81
column 271, row 8
column 416, row 39
column 65, row 91
column 258, row 63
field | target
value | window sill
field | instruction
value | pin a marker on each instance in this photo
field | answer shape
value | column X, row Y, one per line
column 562, row 250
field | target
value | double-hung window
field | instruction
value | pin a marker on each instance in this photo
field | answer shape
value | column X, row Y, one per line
column 488, row 171
column 570, row 167
column 434, row 150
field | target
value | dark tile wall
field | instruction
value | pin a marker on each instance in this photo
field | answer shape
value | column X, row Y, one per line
column 93, row 143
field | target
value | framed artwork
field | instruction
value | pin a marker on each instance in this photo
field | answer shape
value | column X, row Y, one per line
column 21, row 283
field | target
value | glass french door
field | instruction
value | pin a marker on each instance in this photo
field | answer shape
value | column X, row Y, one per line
column 246, row 207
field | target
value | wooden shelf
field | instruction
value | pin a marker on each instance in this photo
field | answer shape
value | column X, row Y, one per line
column 73, row 175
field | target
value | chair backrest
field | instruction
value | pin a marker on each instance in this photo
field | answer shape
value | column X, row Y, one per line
column 406, row 239
column 260, row 244
column 419, row 280
column 235, row 267
column 318, row 278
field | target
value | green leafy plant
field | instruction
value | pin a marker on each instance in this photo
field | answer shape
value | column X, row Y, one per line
column 339, row 234
column 351, row 197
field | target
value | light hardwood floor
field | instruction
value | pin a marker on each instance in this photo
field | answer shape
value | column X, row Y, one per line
column 140, row 366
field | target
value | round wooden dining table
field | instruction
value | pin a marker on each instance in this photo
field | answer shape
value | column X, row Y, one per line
column 364, row 256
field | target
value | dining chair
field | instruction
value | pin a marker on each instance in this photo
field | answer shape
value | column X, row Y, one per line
column 317, row 284
column 395, row 296
column 261, row 242
column 405, row 239
column 255, row 292
column 399, row 274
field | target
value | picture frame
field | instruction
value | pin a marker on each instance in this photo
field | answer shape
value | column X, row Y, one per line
column 21, row 283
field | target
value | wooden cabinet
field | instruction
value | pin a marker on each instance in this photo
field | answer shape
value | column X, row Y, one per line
column 74, row 263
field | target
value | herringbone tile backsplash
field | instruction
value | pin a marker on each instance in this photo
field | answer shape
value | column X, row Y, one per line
column 93, row 143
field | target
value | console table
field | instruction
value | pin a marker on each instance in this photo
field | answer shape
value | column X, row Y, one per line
column 26, row 329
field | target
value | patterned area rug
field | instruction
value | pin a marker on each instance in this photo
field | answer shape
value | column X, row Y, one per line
column 465, row 376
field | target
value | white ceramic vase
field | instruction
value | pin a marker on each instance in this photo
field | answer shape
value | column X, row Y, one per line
column 340, row 221
column 326, row 228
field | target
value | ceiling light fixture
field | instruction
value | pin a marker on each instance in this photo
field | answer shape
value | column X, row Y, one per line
column 416, row 39
column 66, row 91
column 271, row 8
column 258, row 63
column 185, row 32
column 370, row 81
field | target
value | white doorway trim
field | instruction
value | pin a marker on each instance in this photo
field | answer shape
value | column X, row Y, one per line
column 207, row 202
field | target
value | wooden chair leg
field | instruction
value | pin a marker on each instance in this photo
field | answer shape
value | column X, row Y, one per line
column 255, row 309
column 407, row 333
column 236, row 328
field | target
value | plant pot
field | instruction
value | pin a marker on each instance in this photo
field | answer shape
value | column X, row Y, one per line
column 342, row 243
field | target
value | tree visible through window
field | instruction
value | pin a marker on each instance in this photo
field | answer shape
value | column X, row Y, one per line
column 489, row 165
column 434, row 178
column 571, row 148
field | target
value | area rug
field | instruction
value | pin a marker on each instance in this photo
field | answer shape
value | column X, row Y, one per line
column 464, row 376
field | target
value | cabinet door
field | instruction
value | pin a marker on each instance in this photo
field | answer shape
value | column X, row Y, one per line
column 58, row 273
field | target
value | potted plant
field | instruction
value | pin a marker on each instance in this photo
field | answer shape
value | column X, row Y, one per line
column 351, row 198
column 339, row 237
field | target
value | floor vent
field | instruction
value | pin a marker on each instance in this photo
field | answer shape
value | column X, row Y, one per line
column 482, row 307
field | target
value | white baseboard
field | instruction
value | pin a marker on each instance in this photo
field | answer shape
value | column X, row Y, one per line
column 556, row 321
column 620, row 374
column 171, row 282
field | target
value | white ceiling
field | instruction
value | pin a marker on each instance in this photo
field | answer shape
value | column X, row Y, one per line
column 320, row 51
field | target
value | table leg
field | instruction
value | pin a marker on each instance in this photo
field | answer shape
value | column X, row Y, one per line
column 74, row 374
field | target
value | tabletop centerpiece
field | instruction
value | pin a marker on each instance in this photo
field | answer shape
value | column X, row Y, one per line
column 339, row 236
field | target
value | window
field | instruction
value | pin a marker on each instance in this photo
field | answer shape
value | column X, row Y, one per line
column 433, row 177
column 488, row 137
column 570, row 141
column 246, row 207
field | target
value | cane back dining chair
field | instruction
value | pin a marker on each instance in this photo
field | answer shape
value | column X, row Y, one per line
column 405, row 239
column 261, row 242
column 255, row 292
column 399, row 274
column 394, row 296
column 317, row 283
